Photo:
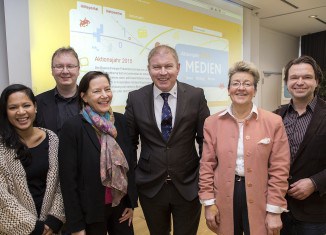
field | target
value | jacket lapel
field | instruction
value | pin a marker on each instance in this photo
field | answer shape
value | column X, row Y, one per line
column 317, row 118
column 181, row 107
column 91, row 134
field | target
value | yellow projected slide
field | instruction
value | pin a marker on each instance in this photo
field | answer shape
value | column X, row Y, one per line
column 116, row 36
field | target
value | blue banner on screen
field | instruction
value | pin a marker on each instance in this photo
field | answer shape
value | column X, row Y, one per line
column 203, row 67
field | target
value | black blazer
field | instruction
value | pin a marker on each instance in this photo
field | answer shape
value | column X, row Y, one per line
column 178, row 156
column 79, row 169
column 310, row 162
column 47, row 111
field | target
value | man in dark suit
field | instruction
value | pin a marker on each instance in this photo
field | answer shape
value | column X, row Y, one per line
column 168, row 125
column 305, row 122
column 55, row 106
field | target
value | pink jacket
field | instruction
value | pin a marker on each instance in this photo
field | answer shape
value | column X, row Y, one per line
column 266, row 165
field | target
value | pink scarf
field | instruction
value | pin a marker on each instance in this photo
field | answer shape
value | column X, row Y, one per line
column 113, row 164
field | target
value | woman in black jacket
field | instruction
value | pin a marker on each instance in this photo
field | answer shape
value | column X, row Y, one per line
column 96, row 172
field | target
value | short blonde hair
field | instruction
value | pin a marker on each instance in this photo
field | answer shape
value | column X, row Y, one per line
column 243, row 66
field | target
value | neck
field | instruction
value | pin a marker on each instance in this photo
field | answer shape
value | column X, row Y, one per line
column 300, row 105
column 26, row 135
column 67, row 92
column 241, row 112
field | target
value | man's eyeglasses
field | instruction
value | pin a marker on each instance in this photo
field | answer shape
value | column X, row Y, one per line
column 237, row 84
column 60, row 67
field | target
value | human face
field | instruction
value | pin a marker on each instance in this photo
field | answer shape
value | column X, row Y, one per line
column 242, row 95
column 98, row 95
column 21, row 111
column 301, row 82
column 63, row 76
column 163, row 69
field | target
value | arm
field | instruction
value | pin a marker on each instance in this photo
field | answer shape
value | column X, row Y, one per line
column 278, row 173
column 56, row 216
column 132, row 128
column 208, row 163
column 68, row 174
column 15, row 218
column 202, row 115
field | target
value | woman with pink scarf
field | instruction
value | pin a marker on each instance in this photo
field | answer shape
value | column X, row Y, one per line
column 96, row 171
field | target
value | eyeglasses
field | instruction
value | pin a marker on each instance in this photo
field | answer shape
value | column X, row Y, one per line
column 60, row 67
column 237, row 84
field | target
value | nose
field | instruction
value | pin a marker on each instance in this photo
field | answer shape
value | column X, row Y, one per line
column 241, row 86
column 104, row 94
column 21, row 110
column 65, row 69
column 163, row 70
column 300, row 81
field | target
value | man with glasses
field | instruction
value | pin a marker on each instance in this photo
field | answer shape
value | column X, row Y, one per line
column 55, row 106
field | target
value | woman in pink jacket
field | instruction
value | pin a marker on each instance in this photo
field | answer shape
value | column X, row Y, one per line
column 245, row 162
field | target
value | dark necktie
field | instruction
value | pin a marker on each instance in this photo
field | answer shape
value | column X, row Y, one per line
column 166, row 123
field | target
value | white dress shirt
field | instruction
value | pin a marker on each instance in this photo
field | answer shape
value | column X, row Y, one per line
column 158, row 103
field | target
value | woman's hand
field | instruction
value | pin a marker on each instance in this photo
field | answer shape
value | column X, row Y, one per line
column 127, row 215
column 83, row 232
column 47, row 230
column 273, row 223
column 212, row 216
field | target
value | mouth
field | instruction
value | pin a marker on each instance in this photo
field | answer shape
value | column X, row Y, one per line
column 22, row 120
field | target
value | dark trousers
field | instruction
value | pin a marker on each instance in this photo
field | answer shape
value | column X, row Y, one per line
column 240, row 210
column 158, row 211
column 112, row 225
column 291, row 226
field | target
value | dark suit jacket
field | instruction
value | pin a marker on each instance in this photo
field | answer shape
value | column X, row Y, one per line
column 310, row 162
column 47, row 111
column 177, row 157
column 79, row 169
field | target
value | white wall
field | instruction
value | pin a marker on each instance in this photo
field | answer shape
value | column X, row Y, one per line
column 18, row 42
column 4, row 78
column 276, row 50
column 269, row 51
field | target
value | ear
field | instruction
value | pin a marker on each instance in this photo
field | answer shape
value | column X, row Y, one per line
column 83, row 96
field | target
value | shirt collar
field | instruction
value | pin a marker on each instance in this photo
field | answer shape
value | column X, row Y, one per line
column 173, row 91
column 58, row 95
column 311, row 105
column 254, row 110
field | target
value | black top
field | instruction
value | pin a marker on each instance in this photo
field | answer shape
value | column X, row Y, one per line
column 67, row 107
column 36, row 172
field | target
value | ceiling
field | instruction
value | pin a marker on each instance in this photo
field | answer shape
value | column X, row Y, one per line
column 281, row 17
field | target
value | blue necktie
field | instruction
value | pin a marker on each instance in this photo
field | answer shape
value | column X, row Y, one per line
column 166, row 123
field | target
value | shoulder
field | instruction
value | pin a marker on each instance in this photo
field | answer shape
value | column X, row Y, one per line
column 142, row 90
column 46, row 94
column 74, row 123
column 187, row 87
column 118, row 116
column 52, row 136
column 270, row 117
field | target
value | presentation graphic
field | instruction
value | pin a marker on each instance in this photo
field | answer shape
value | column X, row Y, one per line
column 108, row 41
column 116, row 36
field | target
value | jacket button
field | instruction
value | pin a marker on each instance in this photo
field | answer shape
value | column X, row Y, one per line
column 251, row 201
column 249, row 170
column 249, row 184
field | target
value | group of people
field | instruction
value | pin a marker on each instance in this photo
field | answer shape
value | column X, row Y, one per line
column 69, row 164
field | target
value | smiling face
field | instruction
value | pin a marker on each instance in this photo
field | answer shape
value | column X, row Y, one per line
column 301, row 82
column 21, row 111
column 163, row 69
column 98, row 95
column 65, row 70
column 242, row 95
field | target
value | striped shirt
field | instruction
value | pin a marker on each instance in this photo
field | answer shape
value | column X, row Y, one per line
column 296, row 126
